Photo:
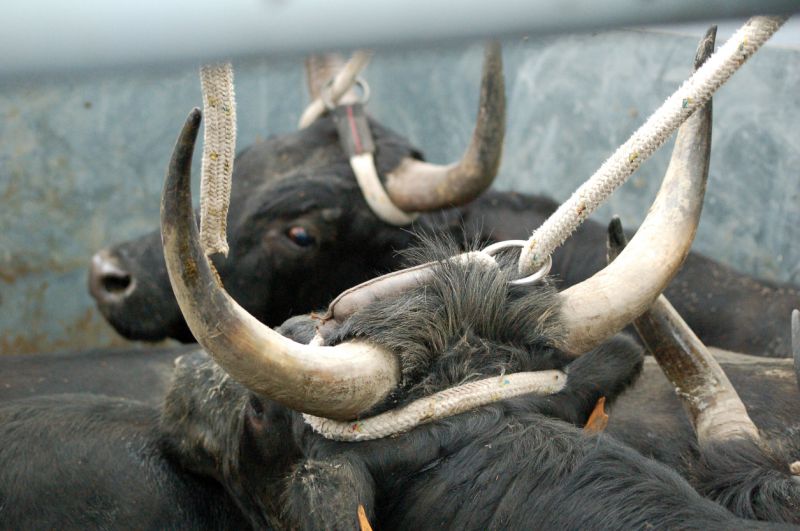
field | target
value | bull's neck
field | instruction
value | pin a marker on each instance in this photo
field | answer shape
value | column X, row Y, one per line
column 494, row 216
column 497, row 216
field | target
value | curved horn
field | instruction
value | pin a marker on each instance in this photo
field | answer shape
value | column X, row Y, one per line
column 320, row 68
column 604, row 303
column 713, row 405
column 336, row 382
column 416, row 186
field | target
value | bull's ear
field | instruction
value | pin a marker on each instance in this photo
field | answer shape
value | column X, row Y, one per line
column 300, row 328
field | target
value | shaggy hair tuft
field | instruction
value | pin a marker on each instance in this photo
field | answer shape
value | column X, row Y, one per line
column 467, row 323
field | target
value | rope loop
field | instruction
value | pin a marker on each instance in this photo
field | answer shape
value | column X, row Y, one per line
column 533, row 278
column 326, row 94
column 694, row 93
column 339, row 86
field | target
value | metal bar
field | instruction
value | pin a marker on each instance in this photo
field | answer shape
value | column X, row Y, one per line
column 48, row 35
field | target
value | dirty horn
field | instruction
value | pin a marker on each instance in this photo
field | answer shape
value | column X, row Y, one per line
column 417, row 186
column 609, row 300
column 336, row 382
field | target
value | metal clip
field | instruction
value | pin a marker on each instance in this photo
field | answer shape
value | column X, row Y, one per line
column 531, row 279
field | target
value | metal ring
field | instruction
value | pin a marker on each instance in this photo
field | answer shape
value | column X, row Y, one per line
column 325, row 93
column 530, row 279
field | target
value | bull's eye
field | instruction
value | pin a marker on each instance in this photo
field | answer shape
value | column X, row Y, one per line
column 300, row 236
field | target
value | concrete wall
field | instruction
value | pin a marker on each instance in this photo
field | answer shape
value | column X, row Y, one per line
column 82, row 158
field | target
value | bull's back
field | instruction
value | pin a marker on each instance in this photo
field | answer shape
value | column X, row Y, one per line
column 89, row 462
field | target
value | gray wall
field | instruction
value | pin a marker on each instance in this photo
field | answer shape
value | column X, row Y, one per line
column 82, row 158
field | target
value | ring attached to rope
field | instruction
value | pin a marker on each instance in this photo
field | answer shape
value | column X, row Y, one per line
column 530, row 279
column 325, row 93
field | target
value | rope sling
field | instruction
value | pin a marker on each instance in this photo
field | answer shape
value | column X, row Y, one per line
column 219, row 146
column 693, row 94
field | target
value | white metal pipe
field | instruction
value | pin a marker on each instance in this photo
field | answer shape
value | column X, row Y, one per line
column 48, row 35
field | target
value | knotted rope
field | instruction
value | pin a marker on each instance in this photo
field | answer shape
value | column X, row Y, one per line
column 440, row 405
column 693, row 94
column 338, row 87
column 219, row 149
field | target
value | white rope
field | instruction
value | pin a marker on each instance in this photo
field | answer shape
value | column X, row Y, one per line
column 219, row 148
column 694, row 93
column 440, row 405
column 341, row 83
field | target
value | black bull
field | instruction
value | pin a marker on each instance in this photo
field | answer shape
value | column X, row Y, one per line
column 300, row 233
column 504, row 465
column 522, row 468
column 244, row 449
column 222, row 456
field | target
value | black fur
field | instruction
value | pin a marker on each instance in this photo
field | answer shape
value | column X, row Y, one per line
column 751, row 479
column 303, row 179
column 521, row 463
column 94, row 462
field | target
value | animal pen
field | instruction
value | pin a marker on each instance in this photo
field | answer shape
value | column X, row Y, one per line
column 85, row 138
column 347, row 375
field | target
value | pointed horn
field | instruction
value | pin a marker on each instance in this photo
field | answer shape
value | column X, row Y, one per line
column 416, row 186
column 336, row 382
column 713, row 405
column 606, row 302
column 320, row 68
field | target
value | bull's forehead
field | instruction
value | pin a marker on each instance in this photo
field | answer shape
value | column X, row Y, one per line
column 312, row 156
column 303, row 191
column 199, row 370
column 200, row 388
column 317, row 146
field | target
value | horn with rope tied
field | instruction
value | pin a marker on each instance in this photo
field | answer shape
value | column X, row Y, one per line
column 603, row 304
column 342, row 382
column 413, row 186
column 329, row 73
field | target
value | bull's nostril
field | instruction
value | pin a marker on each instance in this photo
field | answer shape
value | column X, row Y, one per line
column 116, row 283
column 109, row 282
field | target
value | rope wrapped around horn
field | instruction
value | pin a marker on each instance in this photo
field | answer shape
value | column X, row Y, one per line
column 613, row 297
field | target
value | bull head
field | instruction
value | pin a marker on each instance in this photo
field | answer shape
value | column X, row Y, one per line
column 344, row 381
column 295, row 209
